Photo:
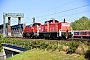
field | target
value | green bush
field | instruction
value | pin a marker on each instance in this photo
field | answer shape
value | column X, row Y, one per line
column 60, row 47
column 81, row 49
column 72, row 46
column 0, row 45
column 87, row 54
column 49, row 47
column 67, row 46
column 0, row 35
column 43, row 46
column 54, row 47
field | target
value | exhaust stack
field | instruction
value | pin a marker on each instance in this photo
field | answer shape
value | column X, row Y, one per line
column 64, row 20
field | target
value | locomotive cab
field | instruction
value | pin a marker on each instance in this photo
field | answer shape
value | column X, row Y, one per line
column 64, row 30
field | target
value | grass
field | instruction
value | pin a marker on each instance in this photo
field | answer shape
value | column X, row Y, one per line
column 37, row 54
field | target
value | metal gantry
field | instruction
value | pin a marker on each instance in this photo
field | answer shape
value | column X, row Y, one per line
column 9, row 15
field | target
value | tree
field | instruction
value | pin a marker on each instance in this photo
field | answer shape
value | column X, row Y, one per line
column 82, row 24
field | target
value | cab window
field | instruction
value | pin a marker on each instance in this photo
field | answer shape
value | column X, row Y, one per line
column 36, row 24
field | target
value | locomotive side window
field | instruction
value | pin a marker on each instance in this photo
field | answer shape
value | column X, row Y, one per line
column 83, row 33
column 46, row 22
column 76, row 33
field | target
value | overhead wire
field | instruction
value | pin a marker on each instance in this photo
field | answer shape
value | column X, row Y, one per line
column 65, row 10
column 69, row 14
column 74, row 13
column 57, row 7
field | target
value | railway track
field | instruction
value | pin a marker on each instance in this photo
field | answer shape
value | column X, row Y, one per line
column 52, row 39
column 80, row 39
column 75, row 39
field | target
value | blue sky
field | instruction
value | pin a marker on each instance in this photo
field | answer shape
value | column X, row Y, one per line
column 43, row 10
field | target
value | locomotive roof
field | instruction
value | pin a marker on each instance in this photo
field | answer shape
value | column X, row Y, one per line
column 37, row 23
column 63, row 22
column 33, row 24
column 51, row 21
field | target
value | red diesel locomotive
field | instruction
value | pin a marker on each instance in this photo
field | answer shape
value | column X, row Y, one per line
column 51, row 29
column 31, row 31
